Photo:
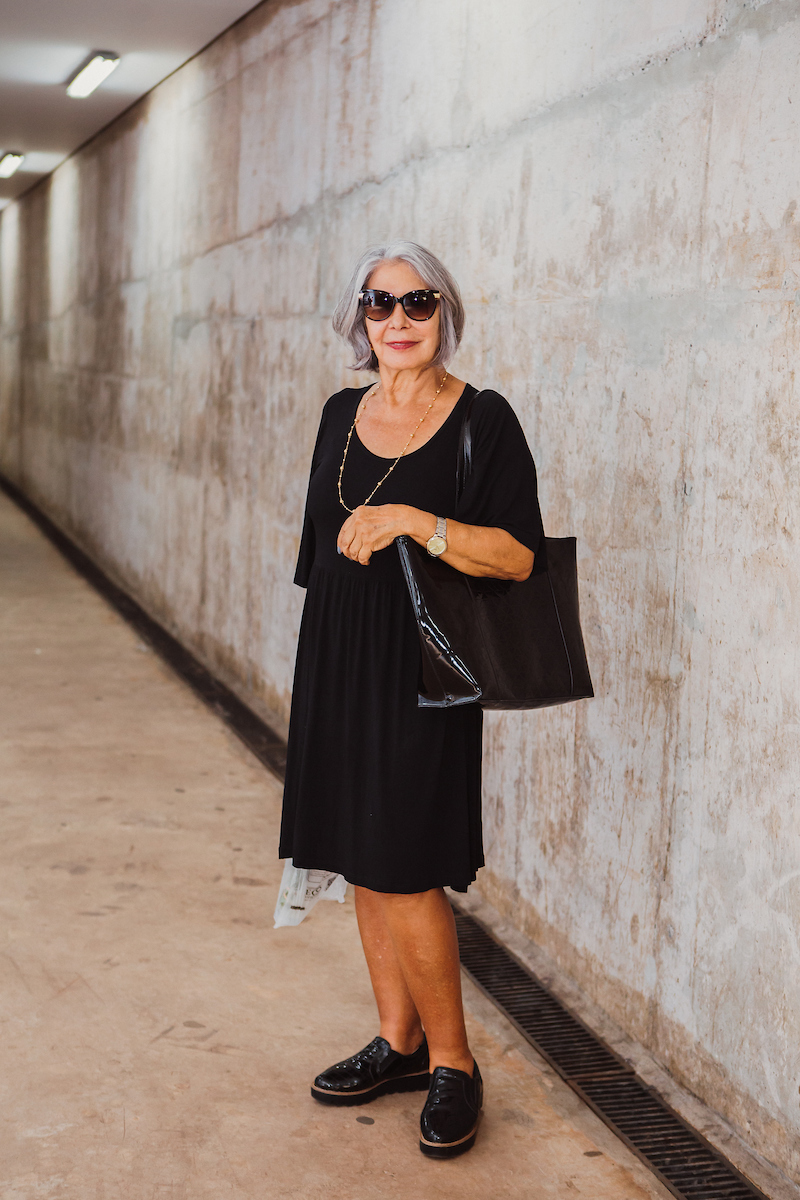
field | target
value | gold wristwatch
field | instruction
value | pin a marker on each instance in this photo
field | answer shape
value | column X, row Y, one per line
column 437, row 544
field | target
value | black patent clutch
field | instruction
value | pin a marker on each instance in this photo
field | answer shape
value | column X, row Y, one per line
column 493, row 642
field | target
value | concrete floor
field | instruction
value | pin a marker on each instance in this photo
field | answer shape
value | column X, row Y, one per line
column 158, row 1036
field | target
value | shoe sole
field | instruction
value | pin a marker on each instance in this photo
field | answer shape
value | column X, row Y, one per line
column 448, row 1149
column 406, row 1083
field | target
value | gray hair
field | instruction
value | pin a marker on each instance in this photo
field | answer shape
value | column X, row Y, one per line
column 348, row 316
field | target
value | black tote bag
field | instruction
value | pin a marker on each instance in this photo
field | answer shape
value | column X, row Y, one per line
column 495, row 642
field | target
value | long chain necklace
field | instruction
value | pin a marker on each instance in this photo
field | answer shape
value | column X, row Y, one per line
column 359, row 414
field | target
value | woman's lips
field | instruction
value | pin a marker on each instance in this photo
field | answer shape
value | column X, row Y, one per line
column 401, row 345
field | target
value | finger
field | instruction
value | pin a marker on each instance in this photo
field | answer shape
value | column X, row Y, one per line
column 343, row 539
column 346, row 538
column 355, row 548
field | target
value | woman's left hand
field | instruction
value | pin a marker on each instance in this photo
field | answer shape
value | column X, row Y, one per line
column 371, row 528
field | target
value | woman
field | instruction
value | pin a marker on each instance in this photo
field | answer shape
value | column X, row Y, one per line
column 378, row 789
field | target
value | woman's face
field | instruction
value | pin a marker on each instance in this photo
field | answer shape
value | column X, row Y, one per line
column 400, row 343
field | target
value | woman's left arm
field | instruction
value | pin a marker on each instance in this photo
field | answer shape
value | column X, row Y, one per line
column 474, row 549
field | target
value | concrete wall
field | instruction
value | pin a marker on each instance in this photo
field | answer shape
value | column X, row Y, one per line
column 615, row 184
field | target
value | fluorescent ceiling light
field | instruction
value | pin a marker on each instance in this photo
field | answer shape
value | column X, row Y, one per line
column 9, row 163
column 92, row 75
column 42, row 162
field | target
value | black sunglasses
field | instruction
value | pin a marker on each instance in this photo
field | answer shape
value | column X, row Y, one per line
column 419, row 306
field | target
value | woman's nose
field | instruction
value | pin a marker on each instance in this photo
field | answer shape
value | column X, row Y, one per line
column 398, row 319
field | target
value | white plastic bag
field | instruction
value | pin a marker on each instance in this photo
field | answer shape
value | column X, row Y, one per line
column 300, row 891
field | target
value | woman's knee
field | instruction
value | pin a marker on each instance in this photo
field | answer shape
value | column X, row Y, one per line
column 400, row 901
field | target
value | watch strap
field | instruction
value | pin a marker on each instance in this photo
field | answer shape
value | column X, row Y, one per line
column 437, row 542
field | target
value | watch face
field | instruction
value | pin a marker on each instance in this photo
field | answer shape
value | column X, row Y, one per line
column 436, row 545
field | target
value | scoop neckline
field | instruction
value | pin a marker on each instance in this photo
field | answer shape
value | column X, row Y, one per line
column 393, row 457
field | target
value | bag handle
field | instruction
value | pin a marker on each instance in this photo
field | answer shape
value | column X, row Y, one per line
column 464, row 459
column 464, row 469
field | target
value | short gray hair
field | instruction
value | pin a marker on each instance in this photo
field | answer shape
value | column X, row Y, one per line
column 348, row 316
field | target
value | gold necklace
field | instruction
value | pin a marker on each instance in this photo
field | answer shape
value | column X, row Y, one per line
column 359, row 414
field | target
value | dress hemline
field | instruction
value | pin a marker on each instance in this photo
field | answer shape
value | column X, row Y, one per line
column 462, row 886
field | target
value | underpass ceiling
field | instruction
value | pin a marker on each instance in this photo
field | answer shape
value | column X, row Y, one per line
column 43, row 42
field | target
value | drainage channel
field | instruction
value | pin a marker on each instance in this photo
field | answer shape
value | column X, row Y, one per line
column 677, row 1154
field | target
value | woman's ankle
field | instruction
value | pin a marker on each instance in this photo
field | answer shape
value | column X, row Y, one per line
column 404, row 1041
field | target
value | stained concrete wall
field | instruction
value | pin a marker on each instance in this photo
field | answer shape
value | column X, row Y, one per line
column 614, row 183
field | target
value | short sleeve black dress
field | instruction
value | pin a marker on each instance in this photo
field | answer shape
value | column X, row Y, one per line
column 377, row 789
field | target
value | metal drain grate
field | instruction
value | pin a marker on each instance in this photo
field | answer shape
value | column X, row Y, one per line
column 679, row 1156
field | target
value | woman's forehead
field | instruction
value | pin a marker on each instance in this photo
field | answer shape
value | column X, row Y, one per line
column 397, row 277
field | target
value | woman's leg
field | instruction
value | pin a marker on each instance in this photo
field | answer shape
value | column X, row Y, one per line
column 399, row 1019
column 411, row 949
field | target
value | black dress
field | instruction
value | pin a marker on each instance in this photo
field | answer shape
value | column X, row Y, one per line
column 379, row 790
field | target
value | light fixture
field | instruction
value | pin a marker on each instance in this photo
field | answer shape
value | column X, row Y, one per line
column 98, row 68
column 11, row 161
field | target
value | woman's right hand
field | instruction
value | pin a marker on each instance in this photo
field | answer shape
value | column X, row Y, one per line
column 374, row 527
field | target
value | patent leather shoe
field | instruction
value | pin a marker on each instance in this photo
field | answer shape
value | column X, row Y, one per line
column 374, row 1071
column 450, row 1117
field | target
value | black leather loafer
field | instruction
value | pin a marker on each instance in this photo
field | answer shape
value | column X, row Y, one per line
column 450, row 1117
column 374, row 1071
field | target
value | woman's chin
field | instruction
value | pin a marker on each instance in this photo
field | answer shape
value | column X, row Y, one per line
column 401, row 360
